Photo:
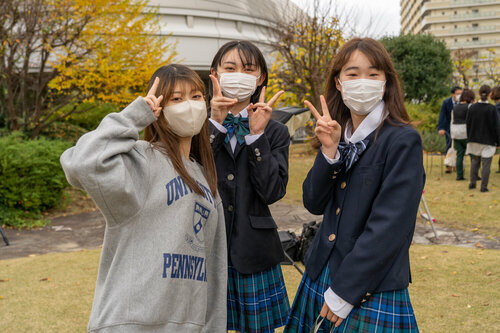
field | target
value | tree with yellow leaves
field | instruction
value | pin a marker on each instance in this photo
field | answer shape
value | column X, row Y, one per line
column 56, row 53
column 304, row 46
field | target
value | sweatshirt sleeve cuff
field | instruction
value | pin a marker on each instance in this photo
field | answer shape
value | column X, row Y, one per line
column 336, row 304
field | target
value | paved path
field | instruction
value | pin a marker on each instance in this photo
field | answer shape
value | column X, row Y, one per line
column 86, row 230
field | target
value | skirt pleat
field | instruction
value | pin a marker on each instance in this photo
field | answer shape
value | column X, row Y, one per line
column 256, row 302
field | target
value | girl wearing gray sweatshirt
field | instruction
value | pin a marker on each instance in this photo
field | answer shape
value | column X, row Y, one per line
column 163, row 265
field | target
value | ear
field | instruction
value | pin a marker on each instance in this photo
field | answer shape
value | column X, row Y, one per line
column 261, row 79
column 337, row 84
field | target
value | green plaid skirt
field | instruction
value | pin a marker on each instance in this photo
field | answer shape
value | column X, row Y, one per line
column 256, row 302
column 388, row 311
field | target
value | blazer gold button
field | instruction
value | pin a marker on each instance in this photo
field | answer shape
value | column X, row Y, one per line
column 230, row 208
column 331, row 238
column 337, row 211
column 257, row 151
column 259, row 158
column 343, row 185
column 230, row 176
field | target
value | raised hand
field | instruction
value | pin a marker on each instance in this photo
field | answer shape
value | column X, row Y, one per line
column 152, row 100
column 219, row 105
column 327, row 130
column 259, row 114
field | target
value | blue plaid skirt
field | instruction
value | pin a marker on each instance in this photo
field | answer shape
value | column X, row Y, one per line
column 388, row 311
column 256, row 302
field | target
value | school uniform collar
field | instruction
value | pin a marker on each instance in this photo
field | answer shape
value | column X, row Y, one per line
column 367, row 126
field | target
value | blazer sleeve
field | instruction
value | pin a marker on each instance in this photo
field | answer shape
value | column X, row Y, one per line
column 443, row 116
column 389, row 227
column 317, row 188
column 268, row 164
column 110, row 166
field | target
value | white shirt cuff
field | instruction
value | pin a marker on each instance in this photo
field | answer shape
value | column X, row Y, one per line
column 336, row 304
column 332, row 160
column 218, row 126
column 251, row 138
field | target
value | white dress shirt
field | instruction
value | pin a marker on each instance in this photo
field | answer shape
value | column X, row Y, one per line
column 249, row 139
column 336, row 304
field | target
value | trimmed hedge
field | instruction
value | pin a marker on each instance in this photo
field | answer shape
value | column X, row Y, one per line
column 31, row 178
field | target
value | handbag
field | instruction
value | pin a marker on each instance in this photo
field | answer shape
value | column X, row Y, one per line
column 317, row 325
column 450, row 160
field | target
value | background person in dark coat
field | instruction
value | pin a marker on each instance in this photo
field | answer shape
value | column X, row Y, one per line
column 445, row 117
column 495, row 95
column 483, row 136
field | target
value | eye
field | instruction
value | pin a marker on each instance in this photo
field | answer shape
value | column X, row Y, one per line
column 197, row 96
column 229, row 68
column 176, row 99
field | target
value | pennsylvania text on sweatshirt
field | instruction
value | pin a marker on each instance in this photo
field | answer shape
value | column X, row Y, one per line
column 163, row 264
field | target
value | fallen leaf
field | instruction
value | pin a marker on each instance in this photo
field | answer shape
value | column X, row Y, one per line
column 1, row 297
column 455, row 295
column 488, row 273
column 471, row 195
column 45, row 279
column 454, row 273
column 479, row 245
column 469, row 306
column 472, row 262
column 424, row 257
column 32, row 255
column 5, row 280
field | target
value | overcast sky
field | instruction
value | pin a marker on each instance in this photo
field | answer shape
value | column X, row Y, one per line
column 384, row 15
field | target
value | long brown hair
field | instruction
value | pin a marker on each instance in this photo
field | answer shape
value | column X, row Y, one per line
column 162, row 138
column 380, row 59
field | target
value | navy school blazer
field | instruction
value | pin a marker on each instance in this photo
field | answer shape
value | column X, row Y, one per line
column 369, row 214
column 249, row 180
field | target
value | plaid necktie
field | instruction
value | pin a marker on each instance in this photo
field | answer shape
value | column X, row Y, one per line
column 350, row 152
column 237, row 126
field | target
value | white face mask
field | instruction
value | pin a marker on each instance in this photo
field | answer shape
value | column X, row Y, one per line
column 457, row 98
column 187, row 118
column 238, row 85
column 362, row 95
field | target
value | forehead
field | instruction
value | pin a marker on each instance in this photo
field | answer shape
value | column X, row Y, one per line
column 358, row 60
column 237, row 57
column 184, row 87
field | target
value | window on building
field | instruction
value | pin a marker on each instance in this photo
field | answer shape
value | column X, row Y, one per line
column 455, row 12
column 475, row 39
column 443, row 13
column 456, row 40
column 456, row 26
column 442, row 26
column 475, row 11
column 475, row 25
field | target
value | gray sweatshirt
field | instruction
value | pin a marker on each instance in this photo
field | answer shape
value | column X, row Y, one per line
column 163, row 265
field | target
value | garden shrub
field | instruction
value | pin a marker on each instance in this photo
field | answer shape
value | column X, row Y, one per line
column 63, row 131
column 432, row 142
column 424, row 116
column 31, row 178
column 92, row 117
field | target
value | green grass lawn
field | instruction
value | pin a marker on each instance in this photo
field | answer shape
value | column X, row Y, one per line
column 455, row 290
column 450, row 201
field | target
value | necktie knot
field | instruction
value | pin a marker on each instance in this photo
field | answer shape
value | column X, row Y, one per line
column 237, row 126
column 350, row 153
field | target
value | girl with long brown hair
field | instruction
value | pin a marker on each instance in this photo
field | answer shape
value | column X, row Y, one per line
column 163, row 265
column 366, row 181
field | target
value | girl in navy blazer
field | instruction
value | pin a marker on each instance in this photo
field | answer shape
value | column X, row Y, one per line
column 251, row 157
column 367, row 181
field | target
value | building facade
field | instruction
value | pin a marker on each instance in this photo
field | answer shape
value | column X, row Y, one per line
column 201, row 27
column 470, row 28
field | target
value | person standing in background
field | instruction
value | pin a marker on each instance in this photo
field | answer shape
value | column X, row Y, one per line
column 495, row 95
column 445, row 117
column 482, row 137
column 458, row 129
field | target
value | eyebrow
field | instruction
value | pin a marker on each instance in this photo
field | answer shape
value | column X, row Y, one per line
column 229, row 62
column 355, row 67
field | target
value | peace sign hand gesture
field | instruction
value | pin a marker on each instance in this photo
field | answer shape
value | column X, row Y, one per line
column 219, row 105
column 327, row 130
column 152, row 100
column 259, row 114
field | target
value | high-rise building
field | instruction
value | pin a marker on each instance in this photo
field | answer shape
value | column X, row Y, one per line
column 469, row 27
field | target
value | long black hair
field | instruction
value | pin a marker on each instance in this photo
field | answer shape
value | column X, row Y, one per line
column 249, row 55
